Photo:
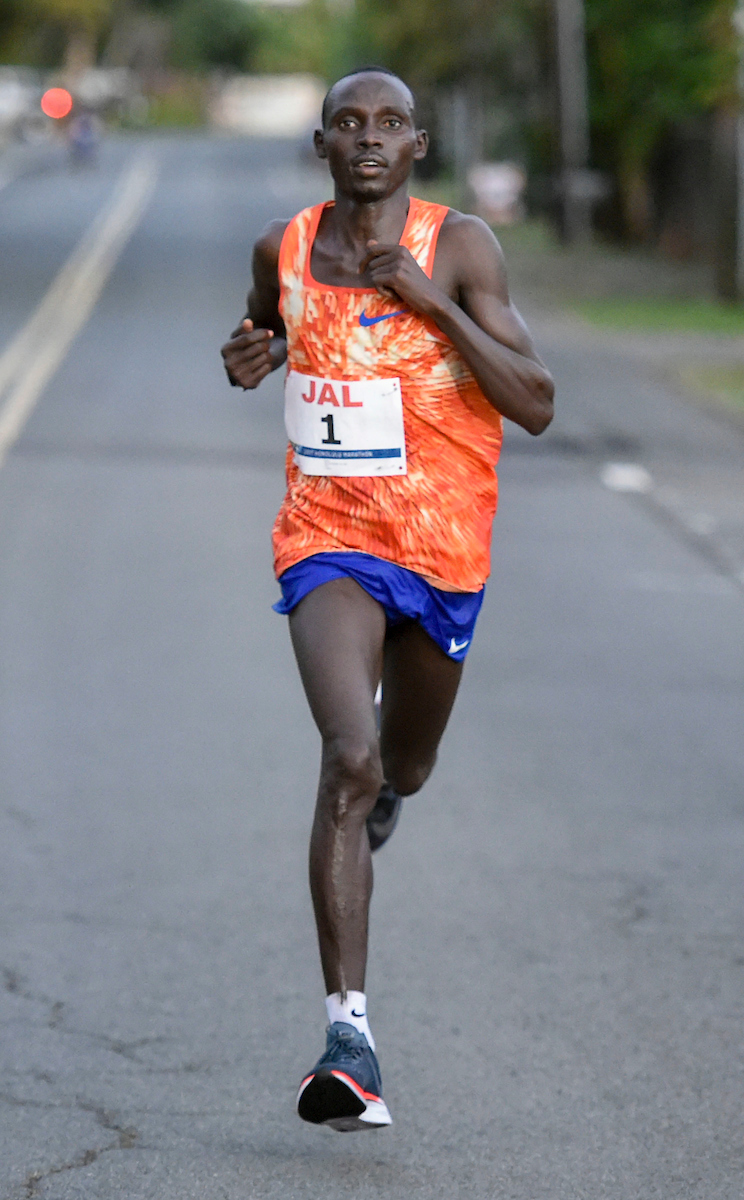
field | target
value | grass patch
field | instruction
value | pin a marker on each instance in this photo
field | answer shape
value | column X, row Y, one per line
column 180, row 104
column 437, row 191
column 533, row 236
column 664, row 315
column 722, row 383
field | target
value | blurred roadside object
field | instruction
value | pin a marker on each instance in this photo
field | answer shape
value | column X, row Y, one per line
column 56, row 103
column 267, row 105
column 577, row 191
column 20, row 92
column 102, row 88
column 497, row 190
column 105, row 93
column 83, row 138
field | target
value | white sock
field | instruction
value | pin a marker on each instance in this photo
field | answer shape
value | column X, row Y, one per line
column 352, row 1009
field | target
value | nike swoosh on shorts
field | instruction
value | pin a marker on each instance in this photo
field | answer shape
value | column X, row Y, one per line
column 454, row 648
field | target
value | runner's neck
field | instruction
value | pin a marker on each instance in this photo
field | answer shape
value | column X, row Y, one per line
column 340, row 242
column 350, row 224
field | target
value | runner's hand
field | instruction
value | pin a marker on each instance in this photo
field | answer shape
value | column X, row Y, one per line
column 396, row 274
column 251, row 355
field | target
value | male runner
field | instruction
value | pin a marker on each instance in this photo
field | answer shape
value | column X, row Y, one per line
column 403, row 355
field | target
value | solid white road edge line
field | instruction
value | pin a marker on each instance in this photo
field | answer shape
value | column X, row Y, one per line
column 39, row 348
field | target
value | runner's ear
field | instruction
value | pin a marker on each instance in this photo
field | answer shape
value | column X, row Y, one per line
column 422, row 145
column 319, row 143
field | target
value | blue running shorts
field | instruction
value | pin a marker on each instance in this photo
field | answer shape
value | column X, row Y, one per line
column 448, row 617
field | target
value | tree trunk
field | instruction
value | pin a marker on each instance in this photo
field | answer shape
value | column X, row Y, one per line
column 80, row 52
column 725, row 194
column 637, row 204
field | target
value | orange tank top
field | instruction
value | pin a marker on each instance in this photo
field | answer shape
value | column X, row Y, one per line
column 436, row 519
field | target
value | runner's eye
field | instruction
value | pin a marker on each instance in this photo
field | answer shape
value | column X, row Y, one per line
column 394, row 122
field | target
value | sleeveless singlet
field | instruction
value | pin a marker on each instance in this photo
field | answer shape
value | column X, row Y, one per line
column 436, row 519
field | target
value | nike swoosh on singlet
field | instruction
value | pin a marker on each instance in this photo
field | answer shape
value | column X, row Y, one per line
column 365, row 320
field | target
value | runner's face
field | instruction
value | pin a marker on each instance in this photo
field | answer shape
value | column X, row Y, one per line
column 370, row 138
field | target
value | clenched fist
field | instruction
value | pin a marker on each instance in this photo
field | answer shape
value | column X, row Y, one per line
column 252, row 354
column 396, row 275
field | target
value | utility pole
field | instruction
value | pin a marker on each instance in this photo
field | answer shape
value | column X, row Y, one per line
column 738, row 19
column 728, row 182
column 466, row 122
column 573, row 107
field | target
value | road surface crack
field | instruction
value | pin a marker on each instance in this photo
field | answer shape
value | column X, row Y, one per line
column 15, row 984
column 17, row 814
column 126, row 1137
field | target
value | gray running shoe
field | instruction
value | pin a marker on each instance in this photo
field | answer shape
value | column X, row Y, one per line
column 384, row 817
column 344, row 1089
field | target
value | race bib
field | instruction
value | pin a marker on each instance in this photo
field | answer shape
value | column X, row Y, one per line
column 338, row 428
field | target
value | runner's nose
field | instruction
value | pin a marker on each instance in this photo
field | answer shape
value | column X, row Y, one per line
column 369, row 136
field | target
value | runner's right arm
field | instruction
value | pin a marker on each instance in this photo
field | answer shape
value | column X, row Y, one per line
column 259, row 345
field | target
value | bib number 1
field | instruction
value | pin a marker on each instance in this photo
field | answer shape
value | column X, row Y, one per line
column 330, row 440
column 339, row 427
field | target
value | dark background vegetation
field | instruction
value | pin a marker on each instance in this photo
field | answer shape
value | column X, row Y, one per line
column 662, row 77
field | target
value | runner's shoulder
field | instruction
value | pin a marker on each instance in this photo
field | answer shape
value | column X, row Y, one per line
column 468, row 242
column 464, row 231
column 269, row 241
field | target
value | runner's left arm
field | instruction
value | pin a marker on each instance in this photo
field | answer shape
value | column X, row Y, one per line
column 259, row 345
column 477, row 316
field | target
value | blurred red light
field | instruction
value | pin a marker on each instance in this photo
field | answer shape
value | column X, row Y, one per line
column 56, row 102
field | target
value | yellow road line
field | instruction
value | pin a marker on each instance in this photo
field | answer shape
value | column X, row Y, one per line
column 39, row 348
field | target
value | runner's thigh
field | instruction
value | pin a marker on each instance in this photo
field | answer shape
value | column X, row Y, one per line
column 419, row 685
column 338, row 633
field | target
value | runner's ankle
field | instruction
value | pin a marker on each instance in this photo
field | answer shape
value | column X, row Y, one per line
column 352, row 1009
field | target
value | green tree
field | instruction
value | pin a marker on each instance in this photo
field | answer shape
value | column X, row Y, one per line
column 224, row 33
column 81, row 21
column 651, row 63
column 311, row 37
column 434, row 41
column 70, row 28
column 491, row 50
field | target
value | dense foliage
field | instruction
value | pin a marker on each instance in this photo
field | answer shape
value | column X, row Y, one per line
column 652, row 63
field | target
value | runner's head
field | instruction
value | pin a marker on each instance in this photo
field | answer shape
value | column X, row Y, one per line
column 369, row 133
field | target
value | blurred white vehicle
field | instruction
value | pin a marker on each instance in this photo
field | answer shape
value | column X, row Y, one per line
column 20, row 92
column 104, row 87
column 268, row 105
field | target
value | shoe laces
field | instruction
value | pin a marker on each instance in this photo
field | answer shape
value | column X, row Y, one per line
column 344, row 1047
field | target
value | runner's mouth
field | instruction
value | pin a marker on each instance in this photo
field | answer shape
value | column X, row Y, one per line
column 369, row 165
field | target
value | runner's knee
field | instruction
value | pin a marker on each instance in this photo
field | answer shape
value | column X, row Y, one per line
column 408, row 777
column 351, row 777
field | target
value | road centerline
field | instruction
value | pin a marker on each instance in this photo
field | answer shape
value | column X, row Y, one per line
column 70, row 299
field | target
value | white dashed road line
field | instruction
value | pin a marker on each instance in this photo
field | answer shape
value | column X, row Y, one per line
column 626, row 477
column 697, row 529
column 39, row 348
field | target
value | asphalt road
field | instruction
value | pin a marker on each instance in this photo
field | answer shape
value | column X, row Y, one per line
column 557, row 961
